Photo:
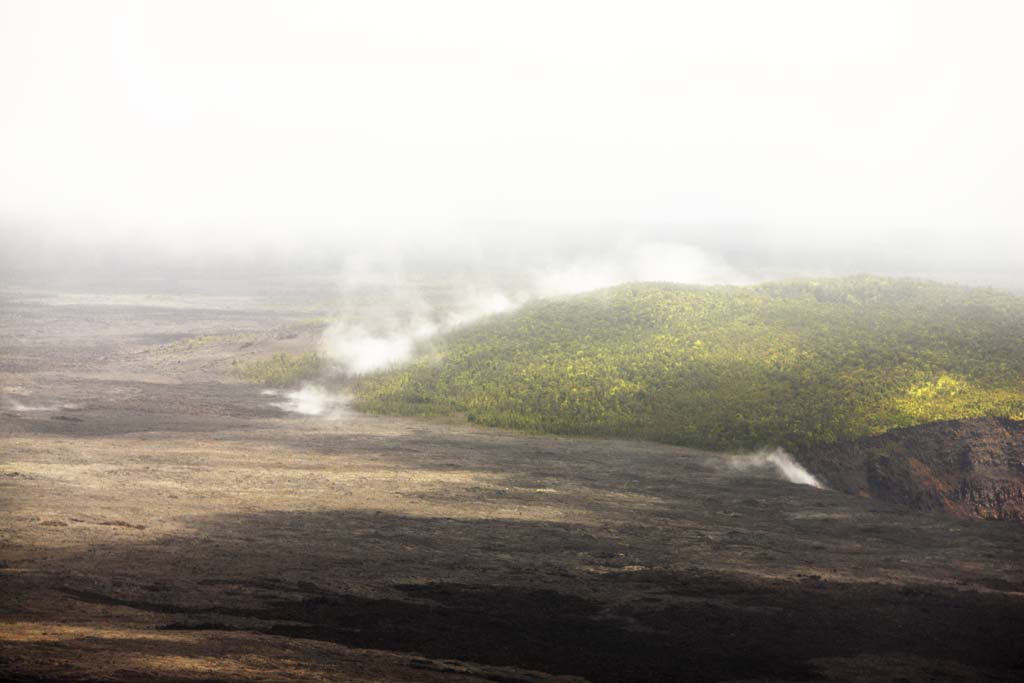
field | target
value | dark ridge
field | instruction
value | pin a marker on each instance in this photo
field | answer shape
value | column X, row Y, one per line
column 969, row 468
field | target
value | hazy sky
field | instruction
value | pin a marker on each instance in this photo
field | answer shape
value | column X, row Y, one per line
column 829, row 135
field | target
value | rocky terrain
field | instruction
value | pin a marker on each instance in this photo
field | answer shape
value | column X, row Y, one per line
column 969, row 468
column 162, row 521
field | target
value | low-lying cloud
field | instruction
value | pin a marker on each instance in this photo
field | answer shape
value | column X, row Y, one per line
column 648, row 262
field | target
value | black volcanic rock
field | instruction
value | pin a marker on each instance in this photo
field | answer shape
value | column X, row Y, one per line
column 969, row 468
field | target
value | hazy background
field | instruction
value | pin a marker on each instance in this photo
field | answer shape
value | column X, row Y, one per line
column 757, row 139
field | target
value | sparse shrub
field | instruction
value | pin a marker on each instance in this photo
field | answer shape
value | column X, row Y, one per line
column 281, row 369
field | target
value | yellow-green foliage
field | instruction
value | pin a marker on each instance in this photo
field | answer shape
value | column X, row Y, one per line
column 194, row 343
column 281, row 369
column 792, row 363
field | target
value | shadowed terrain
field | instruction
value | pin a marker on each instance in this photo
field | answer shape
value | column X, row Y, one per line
column 164, row 521
column 962, row 467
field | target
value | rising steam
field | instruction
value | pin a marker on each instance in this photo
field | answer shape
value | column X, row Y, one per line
column 648, row 262
column 778, row 461
column 405, row 320
column 19, row 407
column 312, row 401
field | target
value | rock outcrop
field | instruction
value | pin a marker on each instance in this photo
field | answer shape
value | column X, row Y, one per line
column 969, row 468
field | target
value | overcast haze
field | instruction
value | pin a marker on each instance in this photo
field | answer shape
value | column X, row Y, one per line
column 778, row 137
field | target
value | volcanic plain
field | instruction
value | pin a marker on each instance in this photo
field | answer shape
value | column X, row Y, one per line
column 163, row 520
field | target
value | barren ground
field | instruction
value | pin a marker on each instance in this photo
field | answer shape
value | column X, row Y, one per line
column 162, row 521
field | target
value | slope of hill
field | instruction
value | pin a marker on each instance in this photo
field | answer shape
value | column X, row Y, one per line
column 969, row 468
column 794, row 363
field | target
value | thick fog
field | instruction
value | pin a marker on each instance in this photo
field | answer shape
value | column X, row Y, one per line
column 749, row 139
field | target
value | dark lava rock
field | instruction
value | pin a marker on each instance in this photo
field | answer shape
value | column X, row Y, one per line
column 969, row 468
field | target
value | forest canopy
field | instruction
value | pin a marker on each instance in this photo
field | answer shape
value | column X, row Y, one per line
column 790, row 363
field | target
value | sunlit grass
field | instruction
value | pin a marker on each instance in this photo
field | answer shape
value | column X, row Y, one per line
column 280, row 370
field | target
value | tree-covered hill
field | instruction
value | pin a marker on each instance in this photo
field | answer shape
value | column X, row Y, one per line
column 791, row 363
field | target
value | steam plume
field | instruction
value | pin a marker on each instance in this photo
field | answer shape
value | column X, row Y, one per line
column 404, row 319
column 783, row 464
column 313, row 401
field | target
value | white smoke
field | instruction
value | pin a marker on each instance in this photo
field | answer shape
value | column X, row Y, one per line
column 312, row 400
column 358, row 351
column 481, row 304
column 403, row 321
column 19, row 407
column 778, row 461
column 648, row 262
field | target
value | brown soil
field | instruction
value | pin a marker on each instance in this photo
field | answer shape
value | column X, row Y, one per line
column 164, row 522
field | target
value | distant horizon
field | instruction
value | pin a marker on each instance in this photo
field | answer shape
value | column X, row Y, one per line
column 785, row 138
column 234, row 282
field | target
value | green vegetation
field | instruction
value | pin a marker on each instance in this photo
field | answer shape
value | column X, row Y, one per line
column 193, row 343
column 196, row 343
column 281, row 369
column 791, row 363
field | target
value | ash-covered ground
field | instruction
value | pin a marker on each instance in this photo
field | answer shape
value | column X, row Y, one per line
column 164, row 521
